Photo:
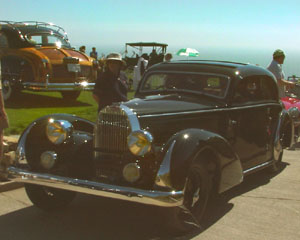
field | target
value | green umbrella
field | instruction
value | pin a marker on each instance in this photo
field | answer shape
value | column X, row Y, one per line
column 188, row 52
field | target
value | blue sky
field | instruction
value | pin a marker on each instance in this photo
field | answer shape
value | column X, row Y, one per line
column 215, row 23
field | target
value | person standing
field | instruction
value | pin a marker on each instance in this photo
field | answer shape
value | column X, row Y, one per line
column 94, row 53
column 82, row 49
column 275, row 67
column 111, row 84
column 139, row 70
column 3, row 125
column 168, row 57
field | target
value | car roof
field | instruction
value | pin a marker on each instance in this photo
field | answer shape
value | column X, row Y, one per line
column 147, row 44
column 212, row 66
column 33, row 26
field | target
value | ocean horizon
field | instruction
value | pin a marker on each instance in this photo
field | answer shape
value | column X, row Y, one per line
column 260, row 57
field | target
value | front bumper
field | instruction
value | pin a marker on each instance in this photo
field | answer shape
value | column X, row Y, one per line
column 149, row 197
column 77, row 86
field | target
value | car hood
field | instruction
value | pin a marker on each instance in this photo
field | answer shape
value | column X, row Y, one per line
column 289, row 102
column 172, row 103
column 58, row 54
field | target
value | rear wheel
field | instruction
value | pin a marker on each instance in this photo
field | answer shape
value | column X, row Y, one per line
column 48, row 198
column 9, row 92
column 70, row 95
column 197, row 191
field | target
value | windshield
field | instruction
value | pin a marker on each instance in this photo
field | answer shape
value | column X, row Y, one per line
column 47, row 39
column 208, row 84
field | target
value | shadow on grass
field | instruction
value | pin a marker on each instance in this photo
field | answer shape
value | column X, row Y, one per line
column 90, row 217
column 32, row 100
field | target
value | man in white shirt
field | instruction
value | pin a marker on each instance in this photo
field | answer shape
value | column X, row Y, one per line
column 139, row 70
column 275, row 67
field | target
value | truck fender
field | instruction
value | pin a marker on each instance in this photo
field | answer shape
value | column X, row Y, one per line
column 186, row 146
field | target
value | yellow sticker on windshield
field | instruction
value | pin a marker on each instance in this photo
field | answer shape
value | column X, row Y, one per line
column 213, row 82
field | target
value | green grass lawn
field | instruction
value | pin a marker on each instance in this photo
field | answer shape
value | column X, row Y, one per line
column 32, row 105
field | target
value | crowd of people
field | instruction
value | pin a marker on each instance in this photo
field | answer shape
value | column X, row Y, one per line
column 93, row 53
column 112, row 83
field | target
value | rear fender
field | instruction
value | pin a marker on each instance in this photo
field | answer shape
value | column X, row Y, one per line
column 191, row 145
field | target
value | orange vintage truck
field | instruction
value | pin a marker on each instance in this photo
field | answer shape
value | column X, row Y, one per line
column 37, row 56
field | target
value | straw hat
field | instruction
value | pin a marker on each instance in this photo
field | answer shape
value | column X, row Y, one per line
column 114, row 57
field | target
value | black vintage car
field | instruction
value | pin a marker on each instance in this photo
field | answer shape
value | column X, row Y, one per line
column 193, row 130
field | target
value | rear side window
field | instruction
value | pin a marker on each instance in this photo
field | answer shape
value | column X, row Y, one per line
column 256, row 89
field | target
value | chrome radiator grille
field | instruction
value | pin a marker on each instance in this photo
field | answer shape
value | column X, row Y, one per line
column 112, row 130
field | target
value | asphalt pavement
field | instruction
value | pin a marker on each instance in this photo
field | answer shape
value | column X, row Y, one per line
column 264, row 207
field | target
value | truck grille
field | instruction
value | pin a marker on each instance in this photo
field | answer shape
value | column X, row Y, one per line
column 112, row 130
column 61, row 71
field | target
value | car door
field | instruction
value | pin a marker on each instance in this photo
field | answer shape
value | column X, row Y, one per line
column 252, row 120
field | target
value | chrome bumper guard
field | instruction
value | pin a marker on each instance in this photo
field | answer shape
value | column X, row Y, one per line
column 77, row 86
column 156, row 198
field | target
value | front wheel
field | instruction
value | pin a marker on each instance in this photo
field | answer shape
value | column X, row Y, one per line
column 70, row 95
column 197, row 191
column 48, row 198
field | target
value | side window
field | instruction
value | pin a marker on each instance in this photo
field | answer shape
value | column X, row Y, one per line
column 255, row 89
column 3, row 40
column 155, row 82
column 268, row 88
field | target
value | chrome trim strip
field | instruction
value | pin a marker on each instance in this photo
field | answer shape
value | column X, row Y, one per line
column 265, row 164
column 209, row 110
column 133, row 120
column 149, row 197
column 163, row 177
column 20, row 152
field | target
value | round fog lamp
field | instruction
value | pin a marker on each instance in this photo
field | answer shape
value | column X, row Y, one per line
column 139, row 142
column 48, row 159
column 131, row 172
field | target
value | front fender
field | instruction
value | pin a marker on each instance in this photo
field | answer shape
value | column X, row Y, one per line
column 34, row 136
column 183, row 148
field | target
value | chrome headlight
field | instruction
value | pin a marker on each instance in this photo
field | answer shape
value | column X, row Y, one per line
column 139, row 142
column 58, row 131
column 294, row 113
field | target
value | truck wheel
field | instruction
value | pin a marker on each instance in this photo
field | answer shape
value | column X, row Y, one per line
column 47, row 198
column 8, row 91
column 70, row 95
column 197, row 191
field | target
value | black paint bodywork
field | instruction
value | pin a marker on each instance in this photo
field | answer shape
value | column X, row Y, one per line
column 238, row 138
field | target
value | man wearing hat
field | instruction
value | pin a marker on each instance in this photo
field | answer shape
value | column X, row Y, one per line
column 275, row 67
column 111, row 85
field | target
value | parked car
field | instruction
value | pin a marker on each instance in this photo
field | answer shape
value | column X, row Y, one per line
column 132, row 60
column 38, row 56
column 193, row 130
column 292, row 104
